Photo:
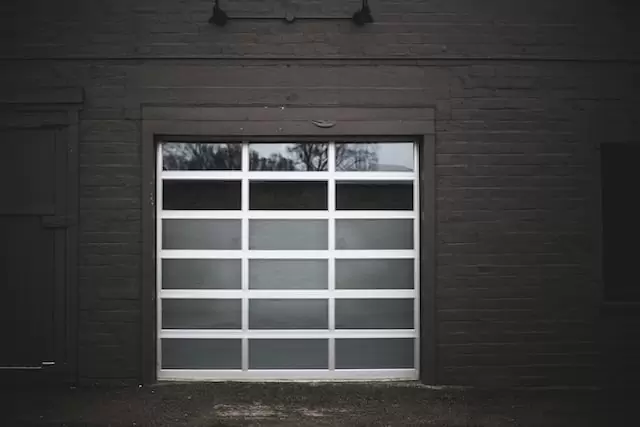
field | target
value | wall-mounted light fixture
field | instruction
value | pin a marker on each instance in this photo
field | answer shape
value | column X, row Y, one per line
column 363, row 16
column 220, row 18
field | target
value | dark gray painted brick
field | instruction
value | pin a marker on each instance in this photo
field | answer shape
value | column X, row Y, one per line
column 518, row 292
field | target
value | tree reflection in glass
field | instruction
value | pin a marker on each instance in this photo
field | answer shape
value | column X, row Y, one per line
column 376, row 156
column 289, row 157
column 201, row 156
column 356, row 157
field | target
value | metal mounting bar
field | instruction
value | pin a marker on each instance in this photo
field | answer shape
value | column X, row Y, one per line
column 363, row 16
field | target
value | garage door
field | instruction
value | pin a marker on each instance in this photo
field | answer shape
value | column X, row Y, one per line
column 288, row 260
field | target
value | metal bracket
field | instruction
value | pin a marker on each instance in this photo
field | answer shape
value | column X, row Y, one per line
column 323, row 123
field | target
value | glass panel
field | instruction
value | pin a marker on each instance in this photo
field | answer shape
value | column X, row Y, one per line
column 201, row 314
column 191, row 353
column 374, row 234
column 288, row 354
column 374, row 313
column 201, row 156
column 374, row 196
column 301, row 195
column 288, row 157
column 213, row 195
column 201, row 234
column 375, row 353
column 288, row 234
column 201, row 274
column 288, row 314
column 374, row 274
column 379, row 157
column 288, row 274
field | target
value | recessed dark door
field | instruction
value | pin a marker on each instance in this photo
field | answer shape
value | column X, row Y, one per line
column 32, row 247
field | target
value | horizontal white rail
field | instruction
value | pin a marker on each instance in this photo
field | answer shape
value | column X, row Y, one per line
column 296, row 254
column 290, row 215
column 288, row 294
column 287, row 334
column 284, row 375
column 288, row 176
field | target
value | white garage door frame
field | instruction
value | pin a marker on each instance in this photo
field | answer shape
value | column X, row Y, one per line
column 262, row 125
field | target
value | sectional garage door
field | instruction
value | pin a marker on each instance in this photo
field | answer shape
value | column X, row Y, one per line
column 293, row 260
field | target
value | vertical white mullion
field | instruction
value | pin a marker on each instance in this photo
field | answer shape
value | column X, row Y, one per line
column 245, row 254
column 416, row 246
column 158, row 217
column 331, row 193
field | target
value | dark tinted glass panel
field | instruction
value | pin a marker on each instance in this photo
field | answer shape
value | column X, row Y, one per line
column 620, row 224
column 201, row 314
column 289, row 157
column 374, row 313
column 201, row 353
column 374, row 234
column 288, row 234
column 288, row 314
column 288, row 354
column 374, row 196
column 211, row 195
column 379, row 353
column 288, row 274
column 378, row 157
column 214, row 234
column 301, row 195
column 201, row 156
column 374, row 273
column 201, row 274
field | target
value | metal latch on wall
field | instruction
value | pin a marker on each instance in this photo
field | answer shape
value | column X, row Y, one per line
column 56, row 221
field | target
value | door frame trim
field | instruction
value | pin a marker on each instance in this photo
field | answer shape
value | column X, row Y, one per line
column 215, row 123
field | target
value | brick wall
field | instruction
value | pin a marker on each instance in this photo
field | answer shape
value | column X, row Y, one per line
column 405, row 28
column 523, row 91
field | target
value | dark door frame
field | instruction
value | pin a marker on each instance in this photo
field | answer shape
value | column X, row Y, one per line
column 242, row 122
column 56, row 109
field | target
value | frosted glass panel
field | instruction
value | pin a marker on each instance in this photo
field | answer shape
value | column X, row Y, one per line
column 374, row 234
column 382, row 196
column 201, row 274
column 201, row 234
column 301, row 195
column 288, row 314
column 288, row 274
column 374, row 313
column 201, row 353
column 375, row 353
column 378, row 157
column 288, row 234
column 288, row 354
column 201, row 195
column 374, row 274
column 201, row 314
